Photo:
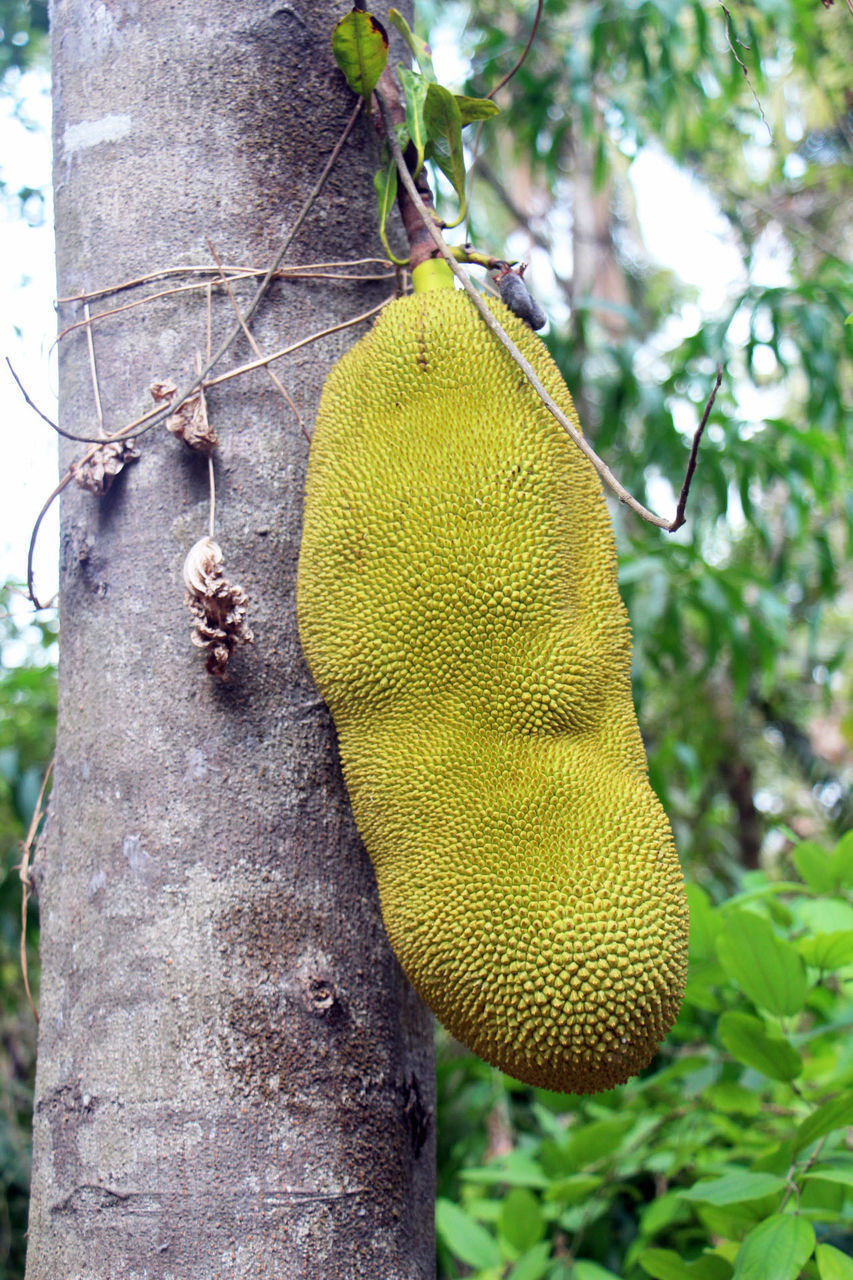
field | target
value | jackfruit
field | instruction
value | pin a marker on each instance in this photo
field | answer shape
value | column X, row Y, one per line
column 459, row 612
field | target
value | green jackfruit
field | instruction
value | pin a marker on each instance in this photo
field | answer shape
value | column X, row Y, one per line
column 459, row 612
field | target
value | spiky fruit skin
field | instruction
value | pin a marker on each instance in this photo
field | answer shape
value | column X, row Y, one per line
column 459, row 612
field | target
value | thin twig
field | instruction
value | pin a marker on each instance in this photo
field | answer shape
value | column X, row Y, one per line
column 132, row 428
column 211, row 473
column 68, row 435
column 161, row 414
column 150, row 419
column 26, row 885
column 526, row 367
column 276, row 381
column 30, row 402
column 295, row 274
column 8, row 616
column 500, row 84
column 236, row 272
column 208, row 297
column 94, row 369
column 212, row 478
column 694, row 453
column 35, row 531
column 739, row 60
column 145, row 421
column 303, row 342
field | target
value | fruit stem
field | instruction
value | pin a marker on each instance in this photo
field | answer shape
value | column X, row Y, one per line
column 432, row 274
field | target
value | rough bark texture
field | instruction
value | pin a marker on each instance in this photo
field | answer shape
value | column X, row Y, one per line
column 234, row 1077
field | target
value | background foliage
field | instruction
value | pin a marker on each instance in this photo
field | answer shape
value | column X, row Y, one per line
column 27, row 717
column 27, row 720
column 739, row 645
column 730, row 1156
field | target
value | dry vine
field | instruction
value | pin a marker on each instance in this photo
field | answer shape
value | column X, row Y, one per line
column 184, row 411
column 159, row 414
column 29, row 848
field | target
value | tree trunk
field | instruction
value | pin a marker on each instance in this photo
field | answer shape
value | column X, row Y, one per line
column 234, row 1078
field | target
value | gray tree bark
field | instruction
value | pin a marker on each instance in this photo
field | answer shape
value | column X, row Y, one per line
column 234, row 1078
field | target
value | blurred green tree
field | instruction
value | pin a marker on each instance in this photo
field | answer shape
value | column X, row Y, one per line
column 23, row 28
column 27, row 724
column 740, row 619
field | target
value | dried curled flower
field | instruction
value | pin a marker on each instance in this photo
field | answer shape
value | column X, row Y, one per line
column 97, row 472
column 218, row 607
column 190, row 420
column 516, row 295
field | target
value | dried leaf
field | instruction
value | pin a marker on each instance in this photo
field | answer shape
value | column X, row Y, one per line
column 515, row 295
column 190, row 420
column 163, row 392
column 218, row 607
column 97, row 472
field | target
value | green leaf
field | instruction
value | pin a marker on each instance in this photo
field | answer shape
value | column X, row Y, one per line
column 533, row 1264
column 585, row 1270
column 418, row 48
column 832, row 1264
column 471, row 109
column 444, row 130
column 766, row 968
column 821, row 1201
column 665, row 1264
column 732, row 1221
column 711, row 1266
column 360, row 46
column 516, row 1169
column 705, row 923
column 842, row 1175
column 812, row 862
column 587, row 1144
column 733, row 1188
column 828, row 950
column 385, row 182
column 841, row 862
column 464, row 1237
column 661, row 1213
column 832, row 1115
column 748, row 1040
column 825, row 915
column 779, row 1248
column 520, row 1221
column 730, row 1098
column 415, row 88
column 574, row 1188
